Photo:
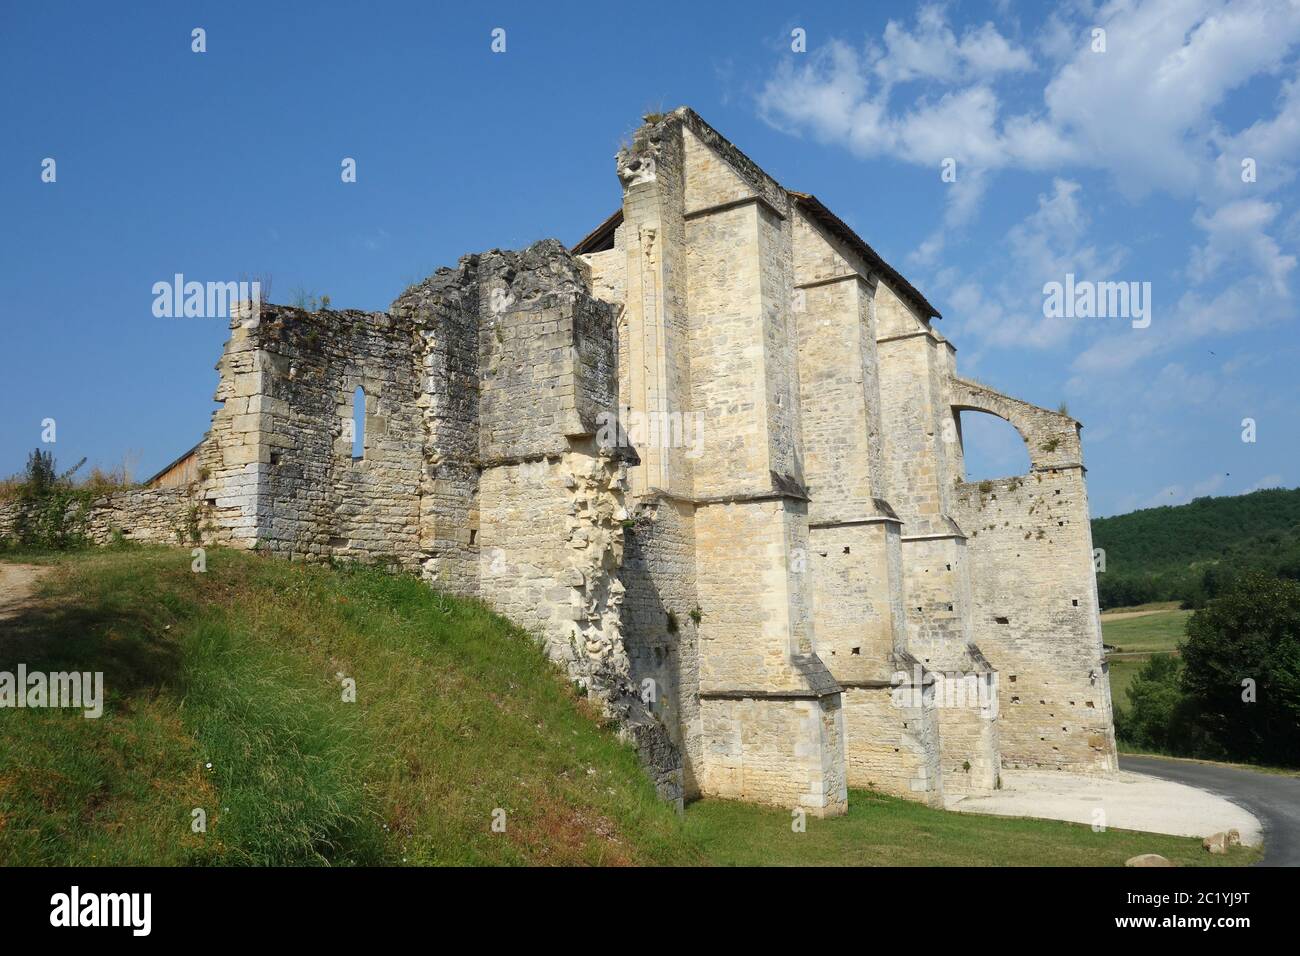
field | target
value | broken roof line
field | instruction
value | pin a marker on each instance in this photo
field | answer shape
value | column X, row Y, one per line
column 859, row 245
column 602, row 238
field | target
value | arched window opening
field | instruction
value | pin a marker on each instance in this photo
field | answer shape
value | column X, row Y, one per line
column 991, row 447
column 359, row 424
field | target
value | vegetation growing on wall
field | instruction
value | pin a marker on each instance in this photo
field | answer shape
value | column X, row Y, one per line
column 50, row 508
column 50, row 511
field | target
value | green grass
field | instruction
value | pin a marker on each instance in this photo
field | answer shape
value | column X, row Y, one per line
column 457, row 715
column 884, row 831
column 222, row 694
column 1151, row 633
column 1122, row 672
column 1142, row 637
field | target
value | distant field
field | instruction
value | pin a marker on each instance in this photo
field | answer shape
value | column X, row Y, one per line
column 1151, row 633
column 1120, row 614
column 1138, row 633
column 1122, row 672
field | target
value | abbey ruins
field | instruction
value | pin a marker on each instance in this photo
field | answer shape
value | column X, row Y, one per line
column 712, row 457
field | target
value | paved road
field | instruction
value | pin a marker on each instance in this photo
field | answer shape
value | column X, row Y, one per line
column 1273, row 798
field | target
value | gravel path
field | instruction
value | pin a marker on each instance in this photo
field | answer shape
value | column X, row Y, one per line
column 1129, row 801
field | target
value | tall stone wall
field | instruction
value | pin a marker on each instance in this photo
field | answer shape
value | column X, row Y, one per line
column 487, row 464
column 444, row 311
column 281, row 446
column 756, row 647
column 892, row 737
column 1035, row 610
column 1034, row 592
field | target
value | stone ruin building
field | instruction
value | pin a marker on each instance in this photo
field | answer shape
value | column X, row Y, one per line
column 712, row 457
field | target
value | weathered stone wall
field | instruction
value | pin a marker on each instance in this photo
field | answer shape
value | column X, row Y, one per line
column 1035, row 612
column 660, row 632
column 892, row 740
column 147, row 515
column 1036, row 618
column 967, row 703
column 708, row 334
column 748, row 753
column 154, row 515
column 444, row 310
column 11, row 514
column 232, row 463
column 313, row 498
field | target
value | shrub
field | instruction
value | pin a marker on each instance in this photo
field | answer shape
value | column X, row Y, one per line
column 1235, row 690
column 1158, row 717
column 1248, row 638
column 51, row 511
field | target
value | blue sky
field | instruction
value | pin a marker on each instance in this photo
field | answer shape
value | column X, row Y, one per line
column 1114, row 165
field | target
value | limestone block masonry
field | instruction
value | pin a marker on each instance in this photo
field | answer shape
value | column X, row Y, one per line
column 711, row 458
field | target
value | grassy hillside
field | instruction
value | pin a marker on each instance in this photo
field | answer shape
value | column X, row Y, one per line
column 223, row 694
column 1187, row 552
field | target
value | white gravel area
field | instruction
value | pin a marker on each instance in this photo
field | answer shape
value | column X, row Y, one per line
column 1130, row 801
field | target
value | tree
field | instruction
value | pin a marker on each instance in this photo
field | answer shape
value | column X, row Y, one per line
column 53, row 511
column 1241, row 670
column 1159, row 717
column 40, row 474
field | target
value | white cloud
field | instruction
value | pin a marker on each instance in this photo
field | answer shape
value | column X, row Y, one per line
column 1143, row 109
column 933, row 51
column 1247, row 305
column 837, row 96
column 1235, row 232
column 1273, row 144
column 1043, row 247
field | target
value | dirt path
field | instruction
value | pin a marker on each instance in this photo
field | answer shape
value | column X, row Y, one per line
column 17, row 584
column 1127, row 615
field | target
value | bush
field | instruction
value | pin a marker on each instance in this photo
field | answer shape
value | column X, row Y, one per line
column 1248, row 638
column 1235, row 691
column 51, row 510
column 1159, row 717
